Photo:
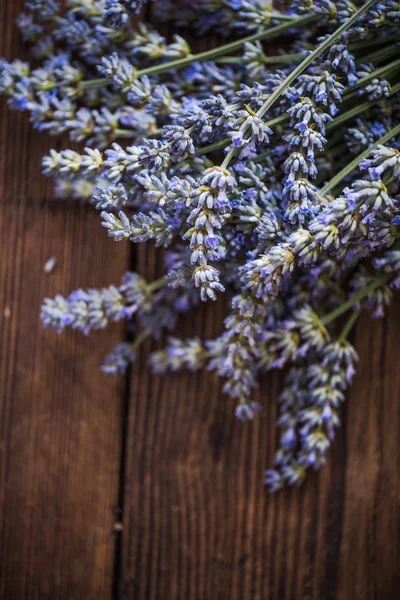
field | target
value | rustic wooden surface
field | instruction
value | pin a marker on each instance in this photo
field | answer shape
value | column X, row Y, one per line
column 77, row 448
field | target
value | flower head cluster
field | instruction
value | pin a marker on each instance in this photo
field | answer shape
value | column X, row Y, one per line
column 309, row 407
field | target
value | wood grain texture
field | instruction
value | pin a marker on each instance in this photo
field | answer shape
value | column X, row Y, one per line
column 60, row 423
column 197, row 522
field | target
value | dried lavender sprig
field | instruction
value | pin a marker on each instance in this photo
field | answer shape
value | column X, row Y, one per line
column 209, row 54
column 124, row 355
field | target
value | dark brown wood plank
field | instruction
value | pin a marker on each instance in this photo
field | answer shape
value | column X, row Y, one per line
column 198, row 523
column 60, row 423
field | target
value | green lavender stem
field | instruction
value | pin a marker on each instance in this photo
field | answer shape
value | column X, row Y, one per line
column 348, row 326
column 349, row 114
column 278, row 16
column 91, row 84
column 180, row 63
column 212, row 147
column 143, row 335
column 123, row 133
column 378, row 41
column 378, row 55
column 157, row 284
column 353, row 300
column 267, row 60
column 356, row 161
column 301, row 68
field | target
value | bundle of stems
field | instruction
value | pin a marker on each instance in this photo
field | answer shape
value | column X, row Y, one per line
column 267, row 167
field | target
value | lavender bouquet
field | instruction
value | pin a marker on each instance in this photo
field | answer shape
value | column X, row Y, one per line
column 268, row 171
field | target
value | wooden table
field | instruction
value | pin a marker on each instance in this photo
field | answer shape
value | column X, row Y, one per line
column 147, row 487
